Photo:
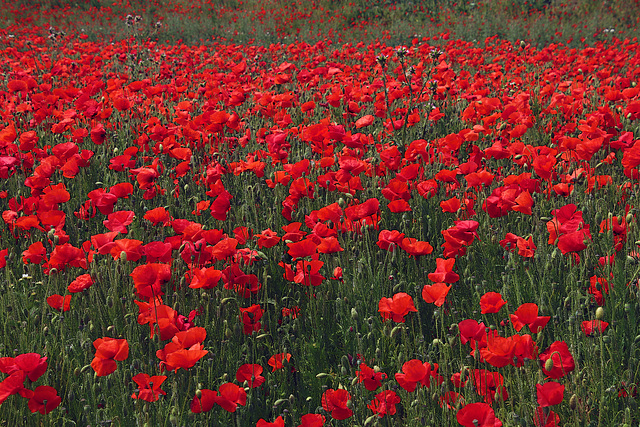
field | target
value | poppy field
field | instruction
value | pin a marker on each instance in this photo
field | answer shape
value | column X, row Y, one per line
column 438, row 232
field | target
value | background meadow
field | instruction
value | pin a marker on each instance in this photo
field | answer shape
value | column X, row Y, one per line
column 328, row 213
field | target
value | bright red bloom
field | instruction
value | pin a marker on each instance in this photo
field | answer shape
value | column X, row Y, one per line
column 60, row 303
column 149, row 278
column 184, row 350
column 157, row 216
column 205, row 402
column 44, row 399
column 206, row 278
column 276, row 361
column 397, row 307
column 32, row 364
column 3, row 257
column 149, row 387
column 550, row 393
column 384, row 403
column 267, row 239
column 543, row 417
column 477, row 415
column 527, row 314
column 335, row 401
column 444, row 271
column 13, row 384
column 415, row 247
column 436, row 293
column 562, row 360
column 230, row 396
column 415, row 371
column 589, row 327
column 489, row 384
column 108, row 350
column 389, row 239
column 491, row 302
column 278, row 422
column 365, row 209
column 371, row 379
column 118, row 221
column 81, row 283
column 312, row 420
column 35, row 254
column 251, row 373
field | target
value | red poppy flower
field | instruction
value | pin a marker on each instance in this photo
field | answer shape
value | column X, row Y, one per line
column 206, row 278
column 550, row 393
column 397, row 307
column 302, row 248
column 81, row 283
column 561, row 363
column 371, row 379
column 60, row 303
column 543, row 417
column 44, row 399
column 278, row 422
column 267, row 239
column 251, row 373
column 436, row 293
column 205, row 402
column 250, row 318
column 415, row 247
column 32, row 364
column 365, row 209
column 312, row 420
column 500, row 351
column 489, row 385
column 230, row 396
column 335, row 401
column 108, row 350
column 11, row 385
column 149, row 387
column 444, row 271
column 67, row 255
column 389, row 239
column 35, row 254
column 118, row 221
column 3, row 257
column 491, row 302
column 413, row 372
column 157, row 216
column 477, row 415
column 277, row 361
column 384, row 403
column 589, row 327
column 527, row 314
column 148, row 279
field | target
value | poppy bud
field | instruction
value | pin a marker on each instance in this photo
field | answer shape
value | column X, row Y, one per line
column 354, row 314
column 573, row 402
column 548, row 365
